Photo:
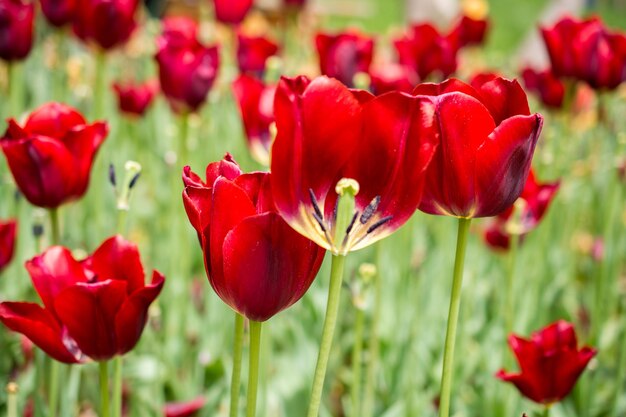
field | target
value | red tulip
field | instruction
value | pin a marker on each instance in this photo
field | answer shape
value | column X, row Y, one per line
column 256, row 106
column 184, row 409
column 295, row 3
column 551, row 90
column 51, row 155
column 344, row 55
column 231, row 12
column 487, row 140
column 469, row 31
column 392, row 77
column 587, row 51
column 94, row 309
column 253, row 52
column 255, row 262
column 525, row 214
column 58, row 12
column 187, row 69
column 108, row 23
column 16, row 29
column 8, row 230
column 550, row 363
column 427, row 51
column 134, row 99
column 384, row 143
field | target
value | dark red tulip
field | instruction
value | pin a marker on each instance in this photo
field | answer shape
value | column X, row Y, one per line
column 487, row 139
column 344, row 55
column 384, row 143
column 16, row 29
column 255, row 262
column 50, row 157
column 108, row 23
column 253, row 52
column 231, row 12
column 187, row 68
column 94, row 309
column 8, row 230
column 587, row 51
column 469, row 31
column 256, row 106
column 550, row 363
column 185, row 408
column 392, row 77
column 58, row 12
column 295, row 3
column 427, row 51
column 134, row 99
column 524, row 215
column 551, row 90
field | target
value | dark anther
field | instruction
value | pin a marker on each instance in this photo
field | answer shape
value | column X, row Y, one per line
column 319, row 220
column 379, row 223
column 112, row 178
column 370, row 210
column 132, row 182
column 37, row 230
column 316, row 205
column 349, row 229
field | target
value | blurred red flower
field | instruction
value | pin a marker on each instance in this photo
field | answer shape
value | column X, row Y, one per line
column 253, row 52
column 392, row 77
column 8, row 232
column 551, row 89
column 487, row 140
column 327, row 132
column 524, row 215
column 94, row 309
column 108, row 23
column 256, row 263
column 344, row 55
column 428, row 52
column 134, row 99
column 16, row 29
column 58, row 12
column 550, row 363
column 256, row 106
column 185, row 408
column 231, row 12
column 469, row 31
column 187, row 69
column 50, row 157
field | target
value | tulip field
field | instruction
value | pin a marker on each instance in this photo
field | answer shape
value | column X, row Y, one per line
column 312, row 208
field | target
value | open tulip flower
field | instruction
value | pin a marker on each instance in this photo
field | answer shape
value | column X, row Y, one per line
column 550, row 88
column 550, row 363
column 187, row 69
column 231, row 12
column 487, row 140
column 58, row 12
column 255, row 262
column 524, row 215
column 256, row 106
column 94, row 309
column 344, row 55
column 253, row 52
column 108, row 23
column 428, row 52
column 585, row 50
column 385, row 143
column 8, row 231
column 134, row 99
column 16, row 29
column 50, row 157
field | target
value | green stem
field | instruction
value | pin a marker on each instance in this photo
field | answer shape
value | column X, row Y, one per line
column 253, row 372
column 546, row 411
column 104, row 389
column 117, row 386
column 237, row 355
column 122, row 215
column 12, row 400
column 99, row 93
column 332, row 309
column 374, row 347
column 357, row 351
column 55, row 234
column 53, row 388
column 183, row 132
column 453, row 318
column 14, row 90
column 510, row 283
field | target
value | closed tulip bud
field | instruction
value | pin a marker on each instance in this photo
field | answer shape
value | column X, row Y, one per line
column 8, row 234
column 107, row 23
column 231, row 12
column 58, row 12
column 16, row 29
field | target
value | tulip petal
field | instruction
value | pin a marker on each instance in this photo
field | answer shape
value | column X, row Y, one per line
column 88, row 311
column 83, row 143
column 133, row 314
column 54, row 120
column 267, row 266
column 504, row 98
column 40, row 326
column 503, row 162
column 118, row 259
